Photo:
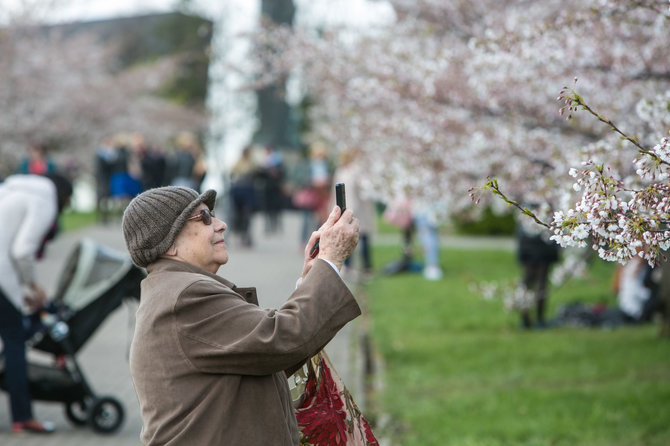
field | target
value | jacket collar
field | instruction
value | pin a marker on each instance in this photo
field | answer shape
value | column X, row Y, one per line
column 170, row 265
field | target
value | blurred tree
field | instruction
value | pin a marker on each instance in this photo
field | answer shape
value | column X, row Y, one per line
column 456, row 95
column 278, row 125
column 68, row 86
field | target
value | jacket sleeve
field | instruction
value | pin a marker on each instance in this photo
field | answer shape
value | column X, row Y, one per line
column 219, row 332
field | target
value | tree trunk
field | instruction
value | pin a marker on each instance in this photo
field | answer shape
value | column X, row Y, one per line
column 664, row 298
column 277, row 121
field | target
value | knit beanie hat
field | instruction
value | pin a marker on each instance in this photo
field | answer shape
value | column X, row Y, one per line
column 153, row 219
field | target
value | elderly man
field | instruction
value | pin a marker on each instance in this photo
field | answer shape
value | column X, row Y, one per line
column 209, row 365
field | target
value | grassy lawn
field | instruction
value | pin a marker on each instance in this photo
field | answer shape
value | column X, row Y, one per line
column 459, row 371
column 71, row 220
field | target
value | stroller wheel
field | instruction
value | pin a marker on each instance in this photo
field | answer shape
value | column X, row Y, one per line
column 77, row 413
column 106, row 415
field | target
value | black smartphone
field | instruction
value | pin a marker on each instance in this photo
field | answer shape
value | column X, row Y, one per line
column 341, row 201
column 340, row 198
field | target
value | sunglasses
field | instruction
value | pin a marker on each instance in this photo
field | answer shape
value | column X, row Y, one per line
column 205, row 215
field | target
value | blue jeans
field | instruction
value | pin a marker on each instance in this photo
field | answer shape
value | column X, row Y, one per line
column 429, row 238
column 16, row 366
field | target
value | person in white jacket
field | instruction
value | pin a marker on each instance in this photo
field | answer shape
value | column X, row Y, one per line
column 29, row 208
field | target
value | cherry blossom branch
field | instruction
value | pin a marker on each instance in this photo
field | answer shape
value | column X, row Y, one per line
column 492, row 186
column 573, row 101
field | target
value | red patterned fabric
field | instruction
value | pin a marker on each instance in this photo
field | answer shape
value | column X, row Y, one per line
column 328, row 415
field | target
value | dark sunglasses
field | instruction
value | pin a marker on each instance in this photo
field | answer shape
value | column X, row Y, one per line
column 205, row 215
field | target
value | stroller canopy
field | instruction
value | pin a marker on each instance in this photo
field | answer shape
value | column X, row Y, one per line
column 91, row 270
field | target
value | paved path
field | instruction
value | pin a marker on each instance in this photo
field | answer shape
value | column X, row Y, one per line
column 272, row 265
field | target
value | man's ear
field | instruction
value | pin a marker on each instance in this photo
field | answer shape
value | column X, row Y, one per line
column 172, row 251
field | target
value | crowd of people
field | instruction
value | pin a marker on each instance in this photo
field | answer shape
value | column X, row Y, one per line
column 126, row 165
column 262, row 181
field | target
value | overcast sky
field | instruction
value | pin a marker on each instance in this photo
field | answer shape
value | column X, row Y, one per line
column 353, row 12
column 84, row 10
column 97, row 9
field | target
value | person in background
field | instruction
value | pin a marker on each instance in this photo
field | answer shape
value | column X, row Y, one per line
column 105, row 157
column 536, row 253
column 313, row 178
column 350, row 173
column 427, row 226
column 271, row 173
column 415, row 216
column 36, row 162
column 187, row 167
column 243, row 194
column 29, row 208
column 209, row 365
column 398, row 212
column 148, row 162
column 125, row 180
column 636, row 290
column 321, row 179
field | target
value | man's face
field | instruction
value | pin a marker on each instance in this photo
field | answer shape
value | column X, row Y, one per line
column 202, row 245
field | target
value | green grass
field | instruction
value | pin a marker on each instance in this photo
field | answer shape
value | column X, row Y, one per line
column 71, row 220
column 459, row 371
column 488, row 224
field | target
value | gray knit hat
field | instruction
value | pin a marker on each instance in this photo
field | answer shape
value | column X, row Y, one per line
column 153, row 219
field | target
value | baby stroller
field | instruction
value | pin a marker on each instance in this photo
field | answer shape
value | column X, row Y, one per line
column 94, row 283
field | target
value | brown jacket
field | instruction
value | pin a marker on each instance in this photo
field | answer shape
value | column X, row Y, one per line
column 208, row 363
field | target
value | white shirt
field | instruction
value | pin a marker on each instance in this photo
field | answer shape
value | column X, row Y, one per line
column 28, row 208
